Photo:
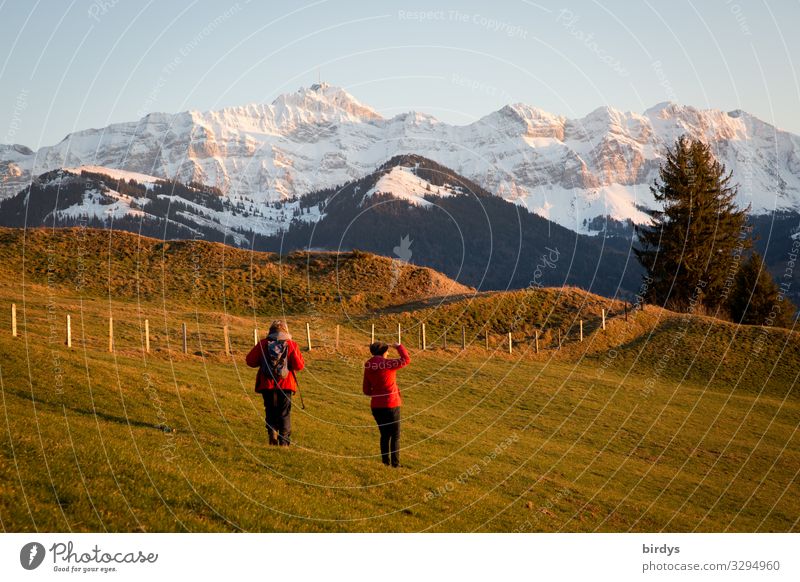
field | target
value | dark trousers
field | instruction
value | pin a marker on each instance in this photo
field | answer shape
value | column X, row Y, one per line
column 388, row 420
column 278, row 410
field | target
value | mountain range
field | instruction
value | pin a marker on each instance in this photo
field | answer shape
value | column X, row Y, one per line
column 575, row 172
column 410, row 208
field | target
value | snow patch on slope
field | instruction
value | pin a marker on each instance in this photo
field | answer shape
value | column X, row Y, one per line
column 115, row 173
column 104, row 206
column 403, row 183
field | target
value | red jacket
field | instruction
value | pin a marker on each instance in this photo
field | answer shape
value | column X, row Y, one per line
column 380, row 382
column 294, row 358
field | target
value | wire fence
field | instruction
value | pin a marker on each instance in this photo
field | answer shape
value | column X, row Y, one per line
column 203, row 339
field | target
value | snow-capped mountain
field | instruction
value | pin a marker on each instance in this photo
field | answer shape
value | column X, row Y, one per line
column 569, row 170
column 413, row 209
column 100, row 197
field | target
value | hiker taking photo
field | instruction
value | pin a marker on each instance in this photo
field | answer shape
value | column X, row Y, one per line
column 278, row 359
column 380, row 383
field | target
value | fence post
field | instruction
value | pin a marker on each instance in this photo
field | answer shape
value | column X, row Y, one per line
column 603, row 313
column 13, row 320
column 226, row 338
column 308, row 335
column 509, row 343
column 69, row 331
column 110, row 334
column 337, row 336
column 399, row 334
column 423, row 337
column 536, row 340
column 486, row 336
column 185, row 343
column 255, row 336
column 372, row 336
column 444, row 339
column 463, row 338
column 581, row 329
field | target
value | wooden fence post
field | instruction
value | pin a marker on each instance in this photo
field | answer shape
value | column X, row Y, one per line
column 308, row 335
column 581, row 329
column 536, row 340
column 486, row 336
column 444, row 339
column 226, row 338
column 185, row 343
column 603, row 313
column 110, row 334
column 255, row 336
column 337, row 336
column 13, row 320
column 399, row 334
column 423, row 337
column 509, row 343
column 146, row 336
column 463, row 338
column 69, row 331
column 372, row 336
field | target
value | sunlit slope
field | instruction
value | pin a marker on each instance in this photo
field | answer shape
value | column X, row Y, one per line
column 659, row 422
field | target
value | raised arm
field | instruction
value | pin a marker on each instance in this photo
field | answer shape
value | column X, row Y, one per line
column 401, row 362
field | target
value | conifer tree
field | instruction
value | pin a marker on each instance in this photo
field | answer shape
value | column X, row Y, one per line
column 688, row 247
column 756, row 299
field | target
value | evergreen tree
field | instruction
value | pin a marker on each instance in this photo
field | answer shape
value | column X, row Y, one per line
column 687, row 249
column 756, row 299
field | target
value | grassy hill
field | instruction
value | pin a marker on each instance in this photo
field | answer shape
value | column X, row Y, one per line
column 659, row 422
column 121, row 265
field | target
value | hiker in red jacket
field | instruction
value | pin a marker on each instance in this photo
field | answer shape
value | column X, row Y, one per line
column 381, row 385
column 277, row 358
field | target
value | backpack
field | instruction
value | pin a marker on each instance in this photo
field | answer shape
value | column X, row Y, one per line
column 274, row 361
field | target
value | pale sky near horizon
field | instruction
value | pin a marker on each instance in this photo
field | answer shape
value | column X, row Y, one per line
column 66, row 66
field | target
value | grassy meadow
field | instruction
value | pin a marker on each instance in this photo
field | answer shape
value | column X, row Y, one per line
column 659, row 422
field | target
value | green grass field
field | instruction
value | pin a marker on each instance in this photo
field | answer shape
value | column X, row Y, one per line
column 661, row 422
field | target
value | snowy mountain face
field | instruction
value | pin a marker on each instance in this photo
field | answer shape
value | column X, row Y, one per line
column 101, row 197
column 568, row 170
column 413, row 209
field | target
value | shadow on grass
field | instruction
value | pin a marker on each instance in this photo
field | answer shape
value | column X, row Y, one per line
column 56, row 406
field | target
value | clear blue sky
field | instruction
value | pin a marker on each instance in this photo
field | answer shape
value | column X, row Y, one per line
column 72, row 65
